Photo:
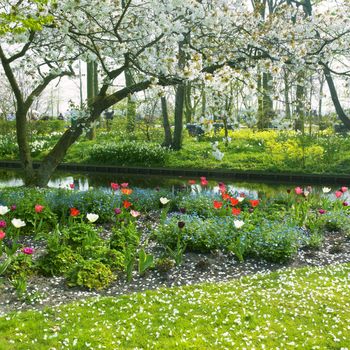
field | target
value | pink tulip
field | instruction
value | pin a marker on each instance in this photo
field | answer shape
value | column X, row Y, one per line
column 71, row 186
column 2, row 223
column 124, row 185
column 338, row 194
column 298, row 190
column 28, row 251
column 344, row 189
column 322, row 211
column 39, row 208
column 114, row 186
column 204, row 181
column 2, row 235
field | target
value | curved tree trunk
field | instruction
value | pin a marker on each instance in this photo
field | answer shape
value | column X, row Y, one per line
column 333, row 91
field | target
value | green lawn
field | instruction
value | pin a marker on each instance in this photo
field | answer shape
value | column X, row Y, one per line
column 302, row 308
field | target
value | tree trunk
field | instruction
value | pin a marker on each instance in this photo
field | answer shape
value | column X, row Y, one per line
column 204, row 102
column 286, row 96
column 55, row 157
column 131, row 105
column 188, row 103
column 300, row 104
column 321, row 98
column 92, row 92
column 260, row 103
column 178, row 116
column 168, row 139
column 267, row 104
column 23, row 145
column 337, row 105
column 180, row 100
column 91, row 89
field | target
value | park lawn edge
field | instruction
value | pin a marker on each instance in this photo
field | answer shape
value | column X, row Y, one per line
column 304, row 308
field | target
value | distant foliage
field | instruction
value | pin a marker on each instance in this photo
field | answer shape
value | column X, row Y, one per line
column 128, row 152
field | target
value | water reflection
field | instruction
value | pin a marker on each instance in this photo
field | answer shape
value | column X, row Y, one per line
column 11, row 178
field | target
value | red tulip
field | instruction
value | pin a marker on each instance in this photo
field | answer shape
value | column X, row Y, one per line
column 254, row 202
column 191, row 182
column 39, row 208
column 2, row 235
column 74, row 212
column 234, row 201
column 71, row 186
column 236, row 211
column 225, row 196
column 204, row 181
column 217, row 205
column 126, row 204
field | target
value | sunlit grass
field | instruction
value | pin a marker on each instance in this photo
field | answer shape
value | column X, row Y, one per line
column 302, row 308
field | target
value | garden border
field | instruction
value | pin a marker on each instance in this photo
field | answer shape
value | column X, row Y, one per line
column 341, row 179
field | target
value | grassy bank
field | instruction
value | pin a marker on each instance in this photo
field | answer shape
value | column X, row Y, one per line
column 247, row 150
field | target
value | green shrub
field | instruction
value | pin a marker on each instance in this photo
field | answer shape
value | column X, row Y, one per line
column 21, row 264
column 47, row 127
column 80, row 234
column 91, row 274
column 124, row 236
column 55, row 263
column 127, row 153
column 107, row 256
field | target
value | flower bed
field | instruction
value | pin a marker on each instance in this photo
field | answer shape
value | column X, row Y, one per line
column 125, row 238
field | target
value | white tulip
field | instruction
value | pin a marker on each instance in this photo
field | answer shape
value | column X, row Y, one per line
column 92, row 217
column 238, row 223
column 4, row 209
column 18, row 223
column 240, row 199
column 164, row 200
column 326, row 189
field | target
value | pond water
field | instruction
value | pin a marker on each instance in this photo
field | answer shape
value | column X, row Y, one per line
column 14, row 178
